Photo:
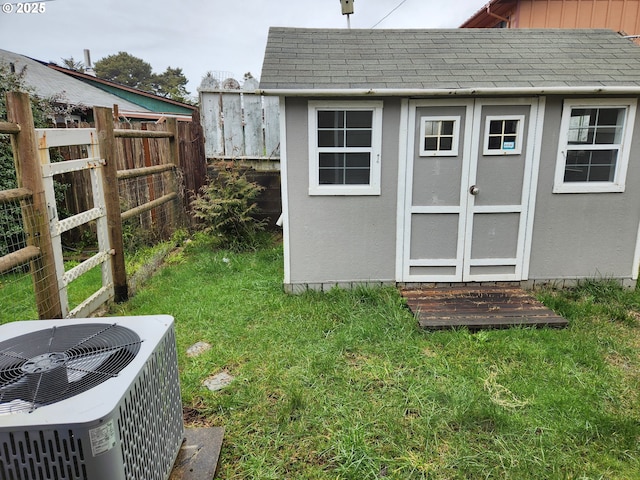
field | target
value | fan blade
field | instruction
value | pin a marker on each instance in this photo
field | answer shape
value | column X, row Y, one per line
column 10, row 373
column 80, row 366
column 17, row 390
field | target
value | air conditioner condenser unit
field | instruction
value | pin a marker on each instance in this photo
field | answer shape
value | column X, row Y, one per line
column 89, row 399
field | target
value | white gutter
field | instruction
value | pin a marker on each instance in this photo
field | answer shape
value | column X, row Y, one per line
column 449, row 92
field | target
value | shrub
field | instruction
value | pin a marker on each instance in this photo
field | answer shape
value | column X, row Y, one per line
column 226, row 208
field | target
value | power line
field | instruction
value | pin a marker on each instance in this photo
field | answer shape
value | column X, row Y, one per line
column 387, row 15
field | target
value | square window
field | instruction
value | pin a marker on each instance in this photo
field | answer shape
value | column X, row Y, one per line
column 503, row 135
column 439, row 136
column 593, row 152
column 345, row 156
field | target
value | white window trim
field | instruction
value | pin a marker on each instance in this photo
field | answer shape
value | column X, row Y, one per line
column 502, row 151
column 453, row 152
column 619, row 179
column 373, row 188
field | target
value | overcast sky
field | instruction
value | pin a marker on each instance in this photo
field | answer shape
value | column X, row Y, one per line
column 199, row 35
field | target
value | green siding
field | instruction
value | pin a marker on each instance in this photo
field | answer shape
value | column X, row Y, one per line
column 153, row 104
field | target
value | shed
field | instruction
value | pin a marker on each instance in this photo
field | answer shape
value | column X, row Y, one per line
column 450, row 156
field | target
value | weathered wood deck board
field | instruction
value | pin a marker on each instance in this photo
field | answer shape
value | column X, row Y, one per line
column 478, row 308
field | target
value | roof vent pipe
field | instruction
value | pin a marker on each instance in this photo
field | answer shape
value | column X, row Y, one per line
column 88, row 69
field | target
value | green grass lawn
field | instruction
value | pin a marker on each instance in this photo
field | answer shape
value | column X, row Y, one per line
column 18, row 300
column 344, row 385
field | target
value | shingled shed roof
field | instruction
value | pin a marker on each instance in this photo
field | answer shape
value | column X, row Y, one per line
column 384, row 61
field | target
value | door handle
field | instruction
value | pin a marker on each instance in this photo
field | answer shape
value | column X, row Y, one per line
column 474, row 190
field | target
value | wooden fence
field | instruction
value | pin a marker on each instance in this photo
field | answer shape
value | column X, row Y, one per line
column 133, row 153
column 134, row 174
column 240, row 124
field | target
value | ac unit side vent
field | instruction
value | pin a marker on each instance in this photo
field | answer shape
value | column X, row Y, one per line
column 55, row 455
column 150, row 417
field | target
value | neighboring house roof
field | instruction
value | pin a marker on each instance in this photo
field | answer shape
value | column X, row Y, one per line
column 455, row 61
column 618, row 15
column 493, row 10
column 147, row 100
column 47, row 83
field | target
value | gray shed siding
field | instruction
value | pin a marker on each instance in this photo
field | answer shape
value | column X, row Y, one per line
column 347, row 240
column 338, row 239
column 583, row 235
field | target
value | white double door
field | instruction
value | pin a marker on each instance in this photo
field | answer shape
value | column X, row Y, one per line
column 469, row 189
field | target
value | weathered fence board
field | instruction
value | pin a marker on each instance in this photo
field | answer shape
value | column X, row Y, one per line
column 211, row 119
column 240, row 124
column 233, row 128
column 272, row 126
column 253, row 125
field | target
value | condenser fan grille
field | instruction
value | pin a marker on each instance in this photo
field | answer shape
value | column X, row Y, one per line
column 53, row 364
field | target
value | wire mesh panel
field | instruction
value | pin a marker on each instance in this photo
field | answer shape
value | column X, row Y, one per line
column 17, row 296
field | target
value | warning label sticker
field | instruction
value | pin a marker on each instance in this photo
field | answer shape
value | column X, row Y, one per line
column 103, row 438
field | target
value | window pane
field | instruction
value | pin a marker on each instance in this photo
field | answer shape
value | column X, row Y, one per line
column 610, row 116
column 579, row 136
column 358, row 138
column 573, row 173
column 357, row 160
column 604, row 157
column 576, row 157
column 331, row 119
column 495, row 143
column 600, row 174
column 331, row 138
column 606, row 135
column 446, row 143
column 431, row 144
column 510, row 126
column 359, row 119
column 495, row 126
column 331, row 160
column 431, row 128
column 357, row 176
column 447, row 127
column 331, row 177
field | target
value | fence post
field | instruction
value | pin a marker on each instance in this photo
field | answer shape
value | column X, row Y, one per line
column 29, row 174
column 174, row 158
column 107, row 142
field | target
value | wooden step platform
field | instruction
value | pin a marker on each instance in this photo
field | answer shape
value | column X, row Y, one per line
column 482, row 307
column 199, row 454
